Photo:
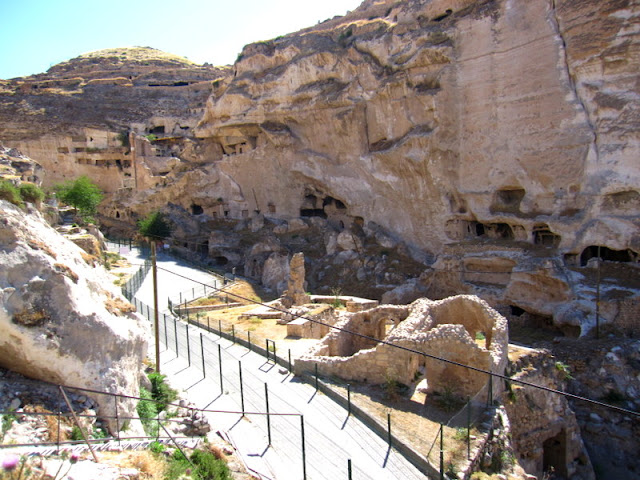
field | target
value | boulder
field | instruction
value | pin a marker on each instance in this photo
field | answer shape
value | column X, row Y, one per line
column 61, row 319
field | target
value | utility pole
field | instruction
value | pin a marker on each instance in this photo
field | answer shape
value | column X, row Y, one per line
column 155, row 303
column 598, row 295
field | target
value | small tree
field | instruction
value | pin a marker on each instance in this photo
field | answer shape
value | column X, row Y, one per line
column 154, row 227
column 82, row 194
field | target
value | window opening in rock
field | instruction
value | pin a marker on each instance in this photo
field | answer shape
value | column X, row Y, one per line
column 196, row 209
column 157, row 130
column 508, row 200
column 542, row 235
column 204, row 247
column 555, row 455
column 516, row 311
column 607, row 255
column 117, row 214
column 226, row 213
column 479, row 229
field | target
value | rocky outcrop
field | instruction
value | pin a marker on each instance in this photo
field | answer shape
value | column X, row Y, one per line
column 448, row 130
column 544, row 430
column 61, row 318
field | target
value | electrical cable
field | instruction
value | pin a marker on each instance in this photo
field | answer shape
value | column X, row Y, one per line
column 416, row 352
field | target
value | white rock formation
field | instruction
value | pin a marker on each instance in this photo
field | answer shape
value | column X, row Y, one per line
column 61, row 319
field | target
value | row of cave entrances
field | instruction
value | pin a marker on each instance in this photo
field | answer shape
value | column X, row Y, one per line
column 545, row 237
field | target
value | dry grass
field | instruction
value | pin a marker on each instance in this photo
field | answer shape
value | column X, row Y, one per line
column 31, row 318
column 151, row 467
column 66, row 271
column 116, row 305
column 38, row 245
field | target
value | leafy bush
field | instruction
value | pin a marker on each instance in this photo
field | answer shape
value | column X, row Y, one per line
column 161, row 392
column 82, row 194
column 30, row 192
column 10, row 193
column 208, row 467
column 147, row 412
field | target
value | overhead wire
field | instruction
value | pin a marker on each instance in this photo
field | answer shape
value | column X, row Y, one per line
column 413, row 351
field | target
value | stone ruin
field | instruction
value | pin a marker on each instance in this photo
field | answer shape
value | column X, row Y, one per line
column 295, row 293
column 444, row 328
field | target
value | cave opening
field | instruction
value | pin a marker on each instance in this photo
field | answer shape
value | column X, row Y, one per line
column 221, row 260
column 313, row 212
column 607, row 255
column 196, row 209
column 555, row 455
column 158, row 130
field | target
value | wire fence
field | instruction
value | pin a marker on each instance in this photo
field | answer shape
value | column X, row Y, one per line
column 248, row 392
column 456, row 423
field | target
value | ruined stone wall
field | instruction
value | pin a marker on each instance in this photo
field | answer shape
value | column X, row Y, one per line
column 439, row 329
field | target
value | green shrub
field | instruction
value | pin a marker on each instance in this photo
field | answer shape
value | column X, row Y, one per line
column 154, row 226
column 161, row 392
column 82, row 194
column 10, row 193
column 31, row 193
column 76, row 433
column 147, row 412
column 208, row 467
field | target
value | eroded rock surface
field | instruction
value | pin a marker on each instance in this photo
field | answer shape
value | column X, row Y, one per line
column 494, row 141
column 61, row 318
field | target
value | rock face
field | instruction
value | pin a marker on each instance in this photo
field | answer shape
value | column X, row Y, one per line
column 544, row 429
column 296, row 294
column 61, row 319
column 494, row 141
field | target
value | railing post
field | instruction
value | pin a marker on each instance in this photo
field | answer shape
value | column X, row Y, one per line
column 304, row 451
column 58, row 438
column 175, row 335
column 220, row 365
column 166, row 338
column 349, row 468
column 241, row 387
column 266, row 397
column 220, row 328
column 233, row 334
column 469, row 429
column 188, row 346
column 441, row 451
column 348, row 399
column 290, row 369
column 389, row 429
column 249, row 340
column 316, row 375
column 115, row 402
column 204, row 372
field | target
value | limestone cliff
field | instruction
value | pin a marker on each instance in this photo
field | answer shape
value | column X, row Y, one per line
column 494, row 141
column 61, row 319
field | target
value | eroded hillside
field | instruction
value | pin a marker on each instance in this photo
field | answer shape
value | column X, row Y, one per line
column 409, row 148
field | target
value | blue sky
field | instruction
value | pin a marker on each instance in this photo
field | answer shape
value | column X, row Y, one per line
column 36, row 34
